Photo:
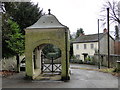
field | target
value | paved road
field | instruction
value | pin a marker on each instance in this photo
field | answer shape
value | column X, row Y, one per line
column 79, row 79
column 86, row 66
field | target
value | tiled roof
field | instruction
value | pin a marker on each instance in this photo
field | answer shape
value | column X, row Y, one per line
column 47, row 21
column 89, row 38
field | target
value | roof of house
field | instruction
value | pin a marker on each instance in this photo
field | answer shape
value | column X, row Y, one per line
column 89, row 38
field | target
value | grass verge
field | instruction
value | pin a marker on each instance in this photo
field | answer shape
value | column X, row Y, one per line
column 111, row 71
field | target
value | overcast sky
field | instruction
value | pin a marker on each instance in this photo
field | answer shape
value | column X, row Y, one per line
column 75, row 13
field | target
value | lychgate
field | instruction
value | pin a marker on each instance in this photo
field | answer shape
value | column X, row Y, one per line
column 47, row 31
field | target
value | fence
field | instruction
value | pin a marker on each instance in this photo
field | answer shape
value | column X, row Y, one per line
column 104, row 59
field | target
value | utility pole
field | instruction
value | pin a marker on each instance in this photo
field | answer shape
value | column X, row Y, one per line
column 108, row 38
column 98, row 47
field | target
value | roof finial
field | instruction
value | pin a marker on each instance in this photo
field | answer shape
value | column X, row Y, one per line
column 49, row 11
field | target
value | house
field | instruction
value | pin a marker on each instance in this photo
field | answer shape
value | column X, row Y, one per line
column 87, row 45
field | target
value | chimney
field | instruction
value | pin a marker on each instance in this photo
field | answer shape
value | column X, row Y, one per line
column 105, row 30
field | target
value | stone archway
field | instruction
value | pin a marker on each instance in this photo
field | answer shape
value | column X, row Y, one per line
column 45, row 61
column 47, row 30
column 37, row 48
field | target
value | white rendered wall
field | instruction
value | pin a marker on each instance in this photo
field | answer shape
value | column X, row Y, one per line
column 81, row 49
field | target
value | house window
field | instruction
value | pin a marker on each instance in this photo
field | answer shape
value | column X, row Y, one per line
column 77, row 46
column 78, row 56
column 85, row 46
column 92, row 46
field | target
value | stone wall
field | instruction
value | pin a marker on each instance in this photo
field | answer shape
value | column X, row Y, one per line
column 104, row 59
column 10, row 63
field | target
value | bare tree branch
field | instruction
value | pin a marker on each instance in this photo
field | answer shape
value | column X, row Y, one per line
column 114, row 11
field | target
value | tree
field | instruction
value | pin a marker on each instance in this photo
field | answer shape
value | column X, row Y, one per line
column 114, row 11
column 24, row 13
column 13, row 40
column 71, row 50
column 18, row 16
column 6, row 51
column 51, row 51
column 79, row 32
column 72, row 38
column 116, row 33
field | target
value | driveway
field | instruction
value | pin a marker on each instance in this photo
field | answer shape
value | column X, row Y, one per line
column 79, row 79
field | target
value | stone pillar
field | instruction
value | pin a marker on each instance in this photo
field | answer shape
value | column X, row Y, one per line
column 35, row 58
column 63, row 63
column 40, row 64
column 29, row 64
column 38, row 58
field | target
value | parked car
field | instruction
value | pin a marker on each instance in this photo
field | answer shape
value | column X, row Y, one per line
column 22, row 64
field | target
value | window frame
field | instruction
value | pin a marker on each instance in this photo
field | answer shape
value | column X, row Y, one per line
column 77, row 46
column 92, row 46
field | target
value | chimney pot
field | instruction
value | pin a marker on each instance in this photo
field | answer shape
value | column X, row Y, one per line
column 105, row 30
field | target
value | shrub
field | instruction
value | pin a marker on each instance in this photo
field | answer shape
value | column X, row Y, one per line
column 89, row 60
